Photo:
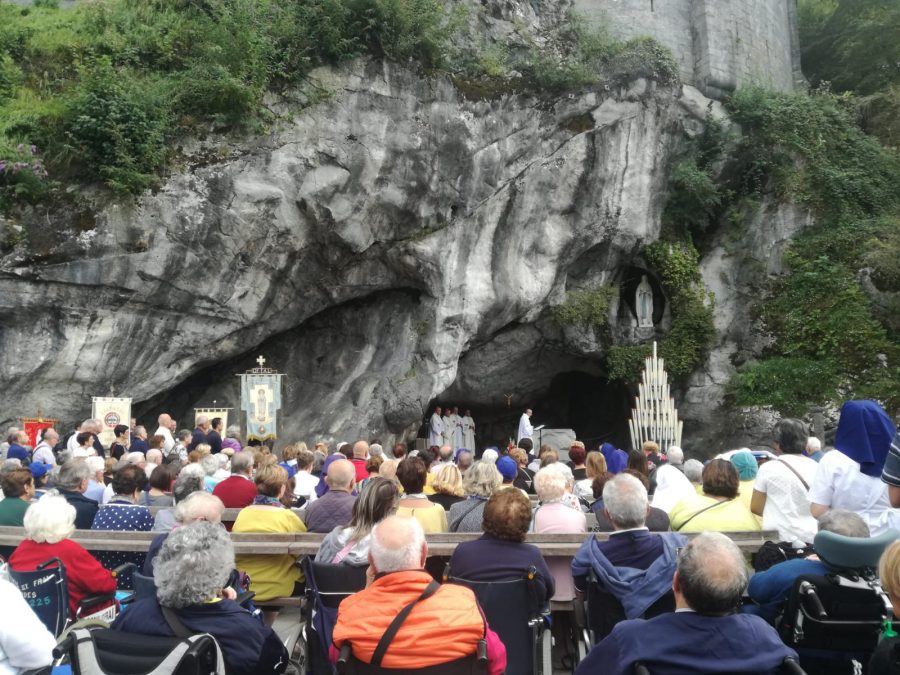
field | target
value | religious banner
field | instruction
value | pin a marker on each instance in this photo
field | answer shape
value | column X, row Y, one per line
column 261, row 400
column 111, row 412
column 33, row 426
column 211, row 413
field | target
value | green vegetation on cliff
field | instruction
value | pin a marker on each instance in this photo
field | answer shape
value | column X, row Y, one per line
column 103, row 91
column 829, row 340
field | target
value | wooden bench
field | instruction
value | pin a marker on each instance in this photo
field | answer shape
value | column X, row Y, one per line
column 307, row 543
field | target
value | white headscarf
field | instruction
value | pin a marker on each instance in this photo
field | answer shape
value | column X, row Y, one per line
column 671, row 487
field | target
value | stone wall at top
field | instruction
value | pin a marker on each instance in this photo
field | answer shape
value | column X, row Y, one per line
column 720, row 45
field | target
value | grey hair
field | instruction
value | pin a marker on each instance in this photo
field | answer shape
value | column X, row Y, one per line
column 375, row 450
column 693, row 469
column 72, row 474
column 845, row 523
column 791, row 436
column 194, row 469
column 813, row 444
column 193, row 565
column 675, row 455
column 408, row 556
column 625, row 500
column 135, row 457
column 210, row 464
column 183, row 435
column 185, row 485
column 482, row 479
column 233, row 431
column 10, row 465
column 199, row 505
column 490, row 455
column 241, row 462
column 712, row 574
column 50, row 519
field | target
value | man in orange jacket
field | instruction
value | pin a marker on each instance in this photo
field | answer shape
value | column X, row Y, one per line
column 442, row 627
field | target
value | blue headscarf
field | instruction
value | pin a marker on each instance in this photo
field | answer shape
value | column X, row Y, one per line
column 607, row 450
column 617, row 462
column 864, row 434
column 322, row 487
column 746, row 465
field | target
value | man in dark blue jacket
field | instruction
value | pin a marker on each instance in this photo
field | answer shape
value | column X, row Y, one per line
column 705, row 634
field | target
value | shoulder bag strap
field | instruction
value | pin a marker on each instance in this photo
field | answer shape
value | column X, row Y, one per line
column 454, row 526
column 796, row 473
column 705, row 508
column 391, row 631
column 175, row 624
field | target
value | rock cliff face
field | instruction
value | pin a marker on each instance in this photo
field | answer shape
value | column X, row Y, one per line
column 396, row 243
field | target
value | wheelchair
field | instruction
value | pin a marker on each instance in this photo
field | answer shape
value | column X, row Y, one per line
column 326, row 586
column 514, row 612
column 834, row 620
column 46, row 591
column 475, row 664
column 598, row 612
column 788, row 667
column 103, row 651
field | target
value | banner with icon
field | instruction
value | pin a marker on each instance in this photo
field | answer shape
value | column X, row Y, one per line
column 111, row 412
column 261, row 401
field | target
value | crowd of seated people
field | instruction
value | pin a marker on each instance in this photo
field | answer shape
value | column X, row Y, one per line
column 644, row 499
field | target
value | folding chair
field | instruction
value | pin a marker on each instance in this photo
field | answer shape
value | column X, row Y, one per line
column 326, row 586
column 598, row 612
column 103, row 651
column 514, row 611
column 46, row 591
column 476, row 664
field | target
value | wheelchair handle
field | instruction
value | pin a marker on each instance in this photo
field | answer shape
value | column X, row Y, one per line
column 815, row 604
column 121, row 569
column 64, row 647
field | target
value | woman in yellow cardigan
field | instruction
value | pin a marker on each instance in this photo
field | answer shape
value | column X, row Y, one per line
column 718, row 508
column 271, row 576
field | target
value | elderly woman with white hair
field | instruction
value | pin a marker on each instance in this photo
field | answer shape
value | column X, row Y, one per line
column 191, row 573
column 558, row 514
column 214, row 468
column 49, row 523
column 480, row 482
column 194, row 508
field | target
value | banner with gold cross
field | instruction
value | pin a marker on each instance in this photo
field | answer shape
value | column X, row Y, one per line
column 261, row 401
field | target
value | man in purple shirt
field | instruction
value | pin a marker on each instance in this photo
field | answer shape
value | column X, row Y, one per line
column 334, row 508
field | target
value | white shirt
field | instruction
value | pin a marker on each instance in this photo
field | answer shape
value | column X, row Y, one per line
column 44, row 453
column 107, row 494
column 169, row 443
column 305, row 485
column 839, row 484
column 525, row 428
column 25, row 642
column 787, row 502
column 72, row 443
column 83, row 452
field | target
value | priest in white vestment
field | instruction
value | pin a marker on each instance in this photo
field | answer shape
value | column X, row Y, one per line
column 468, row 426
column 436, row 428
column 525, row 428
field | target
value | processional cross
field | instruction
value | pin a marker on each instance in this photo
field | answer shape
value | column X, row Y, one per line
column 261, row 361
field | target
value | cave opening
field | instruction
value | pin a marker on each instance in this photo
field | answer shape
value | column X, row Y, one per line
column 596, row 408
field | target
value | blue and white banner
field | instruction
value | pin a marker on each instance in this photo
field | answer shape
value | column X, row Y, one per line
column 261, row 401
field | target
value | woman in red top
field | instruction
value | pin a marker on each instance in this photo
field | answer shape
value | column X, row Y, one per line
column 49, row 523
